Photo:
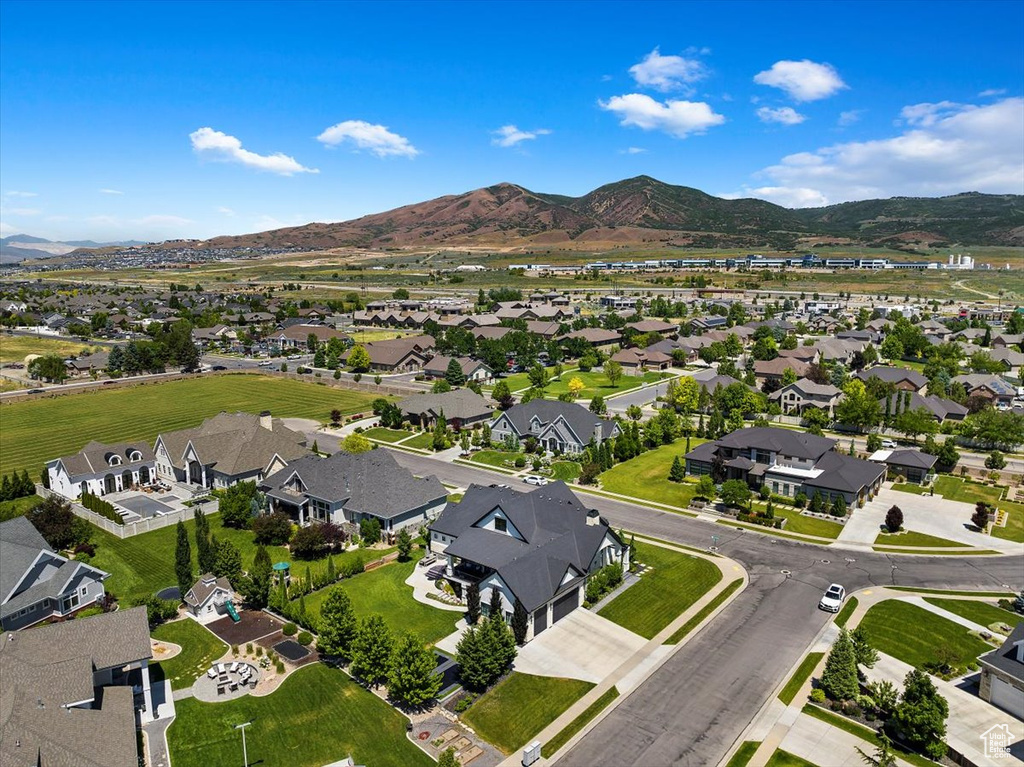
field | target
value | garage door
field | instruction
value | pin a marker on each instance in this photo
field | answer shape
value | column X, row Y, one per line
column 540, row 620
column 1007, row 697
column 565, row 605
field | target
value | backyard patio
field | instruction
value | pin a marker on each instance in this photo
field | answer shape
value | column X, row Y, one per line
column 226, row 681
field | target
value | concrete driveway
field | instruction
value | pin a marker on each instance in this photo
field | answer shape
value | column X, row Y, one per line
column 582, row 645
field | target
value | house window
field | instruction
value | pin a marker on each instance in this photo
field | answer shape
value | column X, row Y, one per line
column 785, row 489
column 84, row 590
column 500, row 525
column 775, row 487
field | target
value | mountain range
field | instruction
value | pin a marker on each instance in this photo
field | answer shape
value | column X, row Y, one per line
column 18, row 247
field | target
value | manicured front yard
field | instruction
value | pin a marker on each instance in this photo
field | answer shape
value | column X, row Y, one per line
column 911, row 538
column 199, row 648
column 577, row 724
column 955, row 489
column 384, row 592
column 800, row 523
column 518, row 381
column 317, row 716
column 646, row 476
column 499, row 459
column 142, row 412
column 981, row 613
column 424, row 441
column 381, row 434
column 918, row 637
column 1014, row 529
column 596, row 382
column 566, row 471
column 520, row 706
column 676, row 581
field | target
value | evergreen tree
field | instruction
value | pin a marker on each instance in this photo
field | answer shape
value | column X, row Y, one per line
column 494, row 606
column 839, row 680
column 884, row 755
column 921, row 715
column 183, row 561
column 865, row 654
column 472, row 604
column 469, row 654
column 228, row 562
column 817, row 502
column 1018, row 603
column 501, row 643
column 454, row 375
column 412, row 679
column 520, row 622
column 332, row 573
column 839, row 506
column 204, row 551
column 404, row 543
column 337, row 623
column 677, row 473
column 440, row 440
column 894, row 519
column 256, row 587
column 371, row 650
column 5, row 489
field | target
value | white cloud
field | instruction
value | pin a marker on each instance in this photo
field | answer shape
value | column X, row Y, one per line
column 225, row 211
column 782, row 115
column 947, row 149
column 16, row 193
column 510, row 135
column 223, row 147
column 668, row 73
column 802, row 80
column 6, row 228
column 376, row 139
column 22, row 211
column 677, row 118
column 632, row 150
column 992, row 92
column 850, row 116
column 110, row 191
column 787, row 197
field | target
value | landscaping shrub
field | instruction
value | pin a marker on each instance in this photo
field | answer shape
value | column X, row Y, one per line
column 309, row 542
column 603, row 581
column 289, row 629
column 464, row 703
column 818, row 695
column 279, row 666
column 272, row 529
column 800, row 500
column 758, row 520
column 248, row 649
column 99, row 506
column 304, row 638
column 369, row 531
column 520, row 461
column 85, row 548
column 894, row 519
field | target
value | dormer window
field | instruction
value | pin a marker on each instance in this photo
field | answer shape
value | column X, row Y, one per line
column 115, row 460
column 501, row 525
column 135, row 456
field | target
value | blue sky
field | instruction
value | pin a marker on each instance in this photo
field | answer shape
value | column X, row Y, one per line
column 151, row 121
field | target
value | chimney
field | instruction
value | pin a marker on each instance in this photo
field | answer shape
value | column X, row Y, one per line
column 597, row 431
column 266, row 420
column 593, row 517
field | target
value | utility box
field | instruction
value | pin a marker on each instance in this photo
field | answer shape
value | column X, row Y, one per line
column 531, row 753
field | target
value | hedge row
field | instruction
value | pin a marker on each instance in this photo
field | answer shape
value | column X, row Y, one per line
column 101, row 507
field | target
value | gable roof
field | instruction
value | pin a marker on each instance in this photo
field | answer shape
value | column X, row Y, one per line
column 204, row 587
column 785, row 441
column 463, row 404
column 579, row 418
column 1005, row 657
column 20, row 544
column 892, row 375
column 95, row 457
column 235, row 443
column 904, row 457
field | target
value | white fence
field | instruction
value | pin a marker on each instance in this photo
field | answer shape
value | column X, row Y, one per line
column 128, row 529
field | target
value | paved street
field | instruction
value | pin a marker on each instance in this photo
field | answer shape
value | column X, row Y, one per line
column 643, row 396
column 697, row 704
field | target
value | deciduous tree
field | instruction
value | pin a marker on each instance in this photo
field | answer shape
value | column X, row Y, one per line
column 412, row 678
column 372, row 649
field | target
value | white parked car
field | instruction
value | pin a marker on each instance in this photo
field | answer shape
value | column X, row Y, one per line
column 833, row 598
column 533, row 479
column 889, row 443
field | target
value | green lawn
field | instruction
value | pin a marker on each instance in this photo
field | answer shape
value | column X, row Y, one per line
column 911, row 539
column 981, row 613
column 496, row 458
column 785, row 759
column 955, row 489
column 16, row 348
column 676, row 581
column 318, row 715
column 18, row 507
column 144, row 564
column 704, row 612
column 386, row 435
column 199, row 648
column 1014, row 529
column 518, row 381
column 520, row 706
column 566, row 471
column 799, row 523
column 424, row 441
column 142, row 412
column 744, row 754
column 597, row 383
column 916, row 636
column 844, row 614
column 383, row 591
column 800, row 676
column 577, row 724
column 646, row 476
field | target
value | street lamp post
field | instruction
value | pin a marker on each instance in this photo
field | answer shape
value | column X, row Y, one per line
column 245, row 753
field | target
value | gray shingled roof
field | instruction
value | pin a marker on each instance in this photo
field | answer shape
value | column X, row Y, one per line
column 235, row 443
column 463, row 404
column 95, row 457
column 551, row 519
column 20, row 544
column 51, row 666
column 937, row 406
column 893, row 375
column 370, row 482
column 913, row 458
column 51, row 588
column 845, row 473
column 205, row 586
column 785, row 441
column 579, row 418
column 1005, row 658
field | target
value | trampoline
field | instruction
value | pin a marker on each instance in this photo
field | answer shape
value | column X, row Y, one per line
column 171, row 592
column 291, row 650
column 145, row 507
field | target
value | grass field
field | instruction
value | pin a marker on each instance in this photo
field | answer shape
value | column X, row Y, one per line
column 597, row 383
column 800, row 676
column 664, row 592
column 386, row 435
column 384, row 592
column 16, row 348
column 980, row 612
column 519, row 381
column 799, row 523
column 744, row 754
column 317, row 716
column 704, row 612
column 17, row 507
column 1014, row 529
column 424, row 441
column 848, row 609
column 497, row 458
column 911, row 539
column 566, row 471
column 520, row 706
column 577, row 724
column 142, row 412
column 646, row 476
column 916, row 636
column 785, row 759
column 199, row 648
column 374, row 334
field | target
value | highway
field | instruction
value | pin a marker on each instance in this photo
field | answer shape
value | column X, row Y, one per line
column 695, row 706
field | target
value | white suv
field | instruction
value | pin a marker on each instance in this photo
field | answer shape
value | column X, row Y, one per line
column 833, row 598
column 533, row 479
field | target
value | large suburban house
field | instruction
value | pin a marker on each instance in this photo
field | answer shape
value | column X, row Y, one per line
column 796, row 397
column 911, row 464
column 990, row 387
column 563, row 427
column 941, row 409
column 227, row 449
column 1002, row 674
column 472, row 369
column 37, row 583
column 70, row 692
column 901, row 378
column 351, row 487
column 100, row 469
column 398, row 354
column 461, row 408
column 789, row 462
column 639, row 361
column 537, row 548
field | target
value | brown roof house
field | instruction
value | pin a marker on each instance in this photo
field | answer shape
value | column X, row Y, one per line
column 474, row 370
column 398, row 354
column 638, row 361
